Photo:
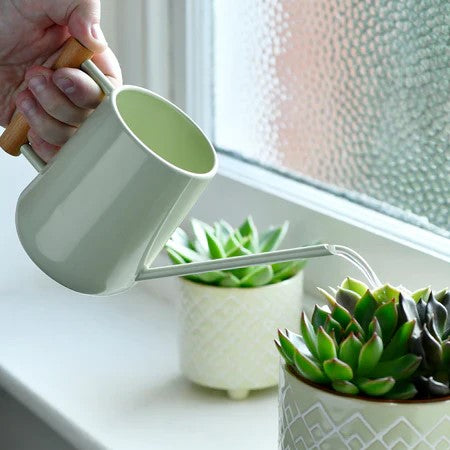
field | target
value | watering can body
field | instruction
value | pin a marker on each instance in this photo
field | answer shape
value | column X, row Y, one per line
column 102, row 210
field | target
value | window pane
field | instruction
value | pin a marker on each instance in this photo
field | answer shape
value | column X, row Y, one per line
column 350, row 95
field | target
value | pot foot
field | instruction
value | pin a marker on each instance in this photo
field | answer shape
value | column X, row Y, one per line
column 238, row 394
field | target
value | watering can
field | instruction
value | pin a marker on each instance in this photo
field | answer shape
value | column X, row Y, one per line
column 97, row 215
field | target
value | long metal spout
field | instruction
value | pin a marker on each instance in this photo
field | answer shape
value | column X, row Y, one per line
column 292, row 254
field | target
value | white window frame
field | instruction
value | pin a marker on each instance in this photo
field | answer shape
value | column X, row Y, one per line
column 175, row 40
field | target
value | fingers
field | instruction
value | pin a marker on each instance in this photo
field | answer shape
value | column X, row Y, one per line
column 48, row 128
column 78, row 87
column 52, row 100
column 57, row 102
column 44, row 150
column 107, row 62
column 82, row 18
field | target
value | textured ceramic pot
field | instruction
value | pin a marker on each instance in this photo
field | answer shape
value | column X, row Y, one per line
column 311, row 418
column 226, row 334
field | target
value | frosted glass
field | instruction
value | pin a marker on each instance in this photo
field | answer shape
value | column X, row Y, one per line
column 350, row 95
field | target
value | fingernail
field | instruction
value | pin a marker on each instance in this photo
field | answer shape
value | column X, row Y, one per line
column 97, row 33
column 28, row 106
column 66, row 85
column 37, row 83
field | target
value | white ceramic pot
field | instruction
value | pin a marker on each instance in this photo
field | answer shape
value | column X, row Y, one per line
column 226, row 334
column 311, row 418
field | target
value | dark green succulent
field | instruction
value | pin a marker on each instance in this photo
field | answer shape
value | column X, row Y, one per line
column 357, row 344
column 430, row 338
column 221, row 240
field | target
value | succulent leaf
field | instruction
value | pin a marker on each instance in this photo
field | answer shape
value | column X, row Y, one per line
column 365, row 309
column 248, row 229
column 199, row 228
column 387, row 318
column 227, row 229
column 272, row 238
column 349, row 351
column 216, row 249
column 347, row 298
column 355, row 285
column 369, row 355
column 443, row 297
column 309, row 369
column 236, row 247
column 429, row 385
column 287, row 347
column 432, row 348
column 309, row 336
column 421, row 294
column 186, row 253
column 437, row 313
column 446, row 354
column 299, row 343
column 337, row 370
column 175, row 257
column 354, row 327
column 332, row 325
column 180, row 236
column 400, row 368
column 407, row 310
column 257, row 276
column 284, row 271
column 230, row 281
column 386, row 293
column 403, row 390
column 319, row 316
column 341, row 315
column 328, row 297
column 346, row 387
column 376, row 387
column 211, row 277
column 421, row 310
column 325, row 345
column 398, row 345
column 374, row 327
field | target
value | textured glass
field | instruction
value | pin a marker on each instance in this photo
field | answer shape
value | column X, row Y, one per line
column 352, row 96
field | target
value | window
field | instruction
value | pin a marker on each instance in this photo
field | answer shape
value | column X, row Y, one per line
column 350, row 97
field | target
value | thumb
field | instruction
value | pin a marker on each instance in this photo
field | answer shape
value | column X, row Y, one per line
column 83, row 21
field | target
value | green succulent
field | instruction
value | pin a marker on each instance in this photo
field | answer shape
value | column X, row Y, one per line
column 356, row 344
column 430, row 338
column 221, row 240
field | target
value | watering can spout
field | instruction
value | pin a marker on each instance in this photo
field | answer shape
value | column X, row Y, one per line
column 236, row 262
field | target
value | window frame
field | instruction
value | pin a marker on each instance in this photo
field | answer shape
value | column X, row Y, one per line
column 178, row 64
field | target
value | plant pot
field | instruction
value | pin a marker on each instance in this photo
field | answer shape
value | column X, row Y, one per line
column 226, row 334
column 313, row 418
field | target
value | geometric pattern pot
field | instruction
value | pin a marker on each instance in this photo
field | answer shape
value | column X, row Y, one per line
column 226, row 334
column 311, row 418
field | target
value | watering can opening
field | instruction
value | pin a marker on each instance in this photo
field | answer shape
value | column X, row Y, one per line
column 151, row 120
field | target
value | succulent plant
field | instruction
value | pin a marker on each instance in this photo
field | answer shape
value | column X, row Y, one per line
column 430, row 338
column 358, row 343
column 221, row 240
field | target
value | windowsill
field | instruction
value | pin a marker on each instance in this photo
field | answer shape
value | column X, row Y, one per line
column 103, row 373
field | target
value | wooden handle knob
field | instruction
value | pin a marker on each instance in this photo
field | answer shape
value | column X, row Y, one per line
column 73, row 54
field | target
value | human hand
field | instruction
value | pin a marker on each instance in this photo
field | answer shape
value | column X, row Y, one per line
column 54, row 102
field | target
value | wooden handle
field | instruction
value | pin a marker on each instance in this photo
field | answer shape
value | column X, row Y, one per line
column 73, row 54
